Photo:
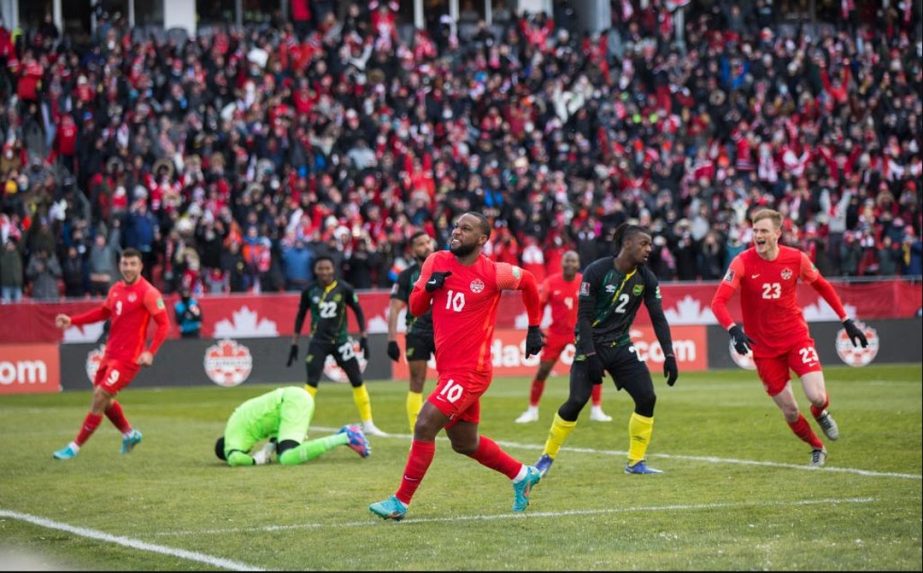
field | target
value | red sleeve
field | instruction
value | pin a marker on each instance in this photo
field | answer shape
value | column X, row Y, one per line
column 510, row 277
column 153, row 302
column 420, row 300
column 810, row 275
column 163, row 327
column 726, row 290
column 95, row 315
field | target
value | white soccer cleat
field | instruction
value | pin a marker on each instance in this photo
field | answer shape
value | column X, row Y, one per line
column 530, row 415
column 828, row 425
column 597, row 415
column 370, row 429
column 264, row 455
column 818, row 457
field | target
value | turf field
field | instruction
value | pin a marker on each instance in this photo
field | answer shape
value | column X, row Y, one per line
column 737, row 493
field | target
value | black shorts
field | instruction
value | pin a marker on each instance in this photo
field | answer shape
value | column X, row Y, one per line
column 420, row 347
column 627, row 370
column 344, row 354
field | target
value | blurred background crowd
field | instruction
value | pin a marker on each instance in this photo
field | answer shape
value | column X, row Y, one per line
column 232, row 159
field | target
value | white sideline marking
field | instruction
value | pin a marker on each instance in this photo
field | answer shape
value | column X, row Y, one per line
column 709, row 459
column 129, row 542
column 536, row 514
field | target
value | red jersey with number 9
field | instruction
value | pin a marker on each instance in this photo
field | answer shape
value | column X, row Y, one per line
column 768, row 298
column 464, row 309
column 131, row 308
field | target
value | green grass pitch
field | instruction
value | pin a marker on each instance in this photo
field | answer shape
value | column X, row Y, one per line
column 736, row 493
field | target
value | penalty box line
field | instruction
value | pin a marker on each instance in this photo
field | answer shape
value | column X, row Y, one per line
column 532, row 515
column 129, row 542
column 690, row 458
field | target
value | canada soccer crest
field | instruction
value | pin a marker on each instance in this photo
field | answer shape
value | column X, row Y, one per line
column 228, row 363
column 856, row 355
column 477, row 285
column 786, row 274
column 94, row 359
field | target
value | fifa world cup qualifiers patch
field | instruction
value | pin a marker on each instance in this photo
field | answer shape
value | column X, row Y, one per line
column 729, row 276
column 584, row 289
column 637, row 290
column 160, row 304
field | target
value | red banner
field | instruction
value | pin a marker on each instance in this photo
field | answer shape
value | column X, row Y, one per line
column 271, row 315
column 29, row 368
column 690, row 345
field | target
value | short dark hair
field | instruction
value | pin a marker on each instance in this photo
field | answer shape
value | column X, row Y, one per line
column 625, row 231
column 131, row 252
column 485, row 222
column 417, row 235
column 219, row 449
column 323, row 258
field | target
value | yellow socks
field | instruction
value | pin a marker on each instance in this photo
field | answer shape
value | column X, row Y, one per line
column 557, row 435
column 414, row 405
column 312, row 390
column 363, row 403
column 640, row 429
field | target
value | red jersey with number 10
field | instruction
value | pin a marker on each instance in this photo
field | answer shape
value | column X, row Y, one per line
column 768, row 298
column 464, row 309
column 131, row 308
column 562, row 296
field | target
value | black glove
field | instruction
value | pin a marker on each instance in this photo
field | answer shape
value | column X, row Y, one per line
column 436, row 280
column 742, row 342
column 394, row 351
column 595, row 369
column 670, row 370
column 292, row 355
column 534, row 341
column 364, row 346
column 855, row 333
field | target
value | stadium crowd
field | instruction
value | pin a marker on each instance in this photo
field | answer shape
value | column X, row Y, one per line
column 232, row 159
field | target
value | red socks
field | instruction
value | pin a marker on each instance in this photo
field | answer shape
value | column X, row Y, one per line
column 803, row 430
column 90, row 423
column 816, row 412
column 535, row 396
column 491, row 455
column 597, row 395
column 418, row 460
column 117, row 417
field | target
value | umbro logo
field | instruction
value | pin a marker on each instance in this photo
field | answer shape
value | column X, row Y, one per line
column 610, row 289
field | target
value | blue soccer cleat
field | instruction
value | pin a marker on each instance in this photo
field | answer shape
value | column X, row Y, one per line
column 130, row 441
column 522, row 489
column 66, row 453
column 544, row 464
column 640, row 468
column 357, row 440
column 391, row 508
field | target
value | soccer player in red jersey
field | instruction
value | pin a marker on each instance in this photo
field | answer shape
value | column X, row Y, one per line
column 463, row 287
column 130, row 305
column 560, row 292
column 767, row 275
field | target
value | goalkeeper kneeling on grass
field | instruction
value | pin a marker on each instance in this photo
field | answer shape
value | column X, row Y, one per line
column 283, row 416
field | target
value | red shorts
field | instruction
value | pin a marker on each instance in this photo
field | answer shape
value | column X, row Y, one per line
column 458, row 396
column 114, row 374
column 555, row 345
column 773, row 371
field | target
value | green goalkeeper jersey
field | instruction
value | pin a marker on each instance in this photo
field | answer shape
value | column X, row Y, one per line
column 284, row 414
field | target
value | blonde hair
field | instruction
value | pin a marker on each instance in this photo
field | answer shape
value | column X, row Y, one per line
column 770, row 214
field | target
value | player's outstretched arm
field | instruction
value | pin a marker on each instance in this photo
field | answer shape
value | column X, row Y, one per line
column 97, row 314
column 812, row 276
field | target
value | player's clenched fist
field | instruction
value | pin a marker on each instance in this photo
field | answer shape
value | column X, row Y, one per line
column 62, row 321
column 436, row 280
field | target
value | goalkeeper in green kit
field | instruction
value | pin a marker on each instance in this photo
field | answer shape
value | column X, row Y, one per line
column 282, row 416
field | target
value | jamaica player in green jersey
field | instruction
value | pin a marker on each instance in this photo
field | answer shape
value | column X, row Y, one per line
column 283, row 416
column 419, row 339
column 327, row 299
column 610, row 295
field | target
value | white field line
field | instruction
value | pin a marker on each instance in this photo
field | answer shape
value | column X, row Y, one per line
column 707, row 459
column 129, row 542
column 533, row 515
